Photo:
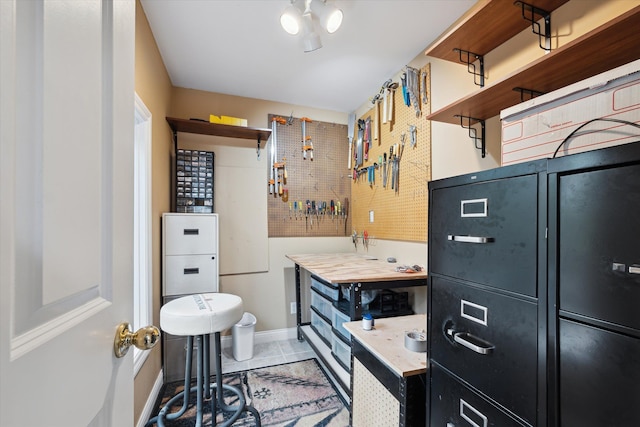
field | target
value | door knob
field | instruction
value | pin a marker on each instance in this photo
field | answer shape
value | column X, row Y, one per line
column 144, row 338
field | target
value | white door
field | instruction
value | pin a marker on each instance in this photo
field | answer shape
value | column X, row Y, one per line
column 66, row 174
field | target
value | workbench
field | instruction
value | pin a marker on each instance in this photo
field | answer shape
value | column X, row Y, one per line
column 350, row 274
column 388, row 380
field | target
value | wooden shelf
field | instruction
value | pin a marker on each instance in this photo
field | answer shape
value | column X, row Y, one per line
column 611, row 45
column 486, row 26
column 215, row 129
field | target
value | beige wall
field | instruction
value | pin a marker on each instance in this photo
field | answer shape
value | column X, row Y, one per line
column 154, row 88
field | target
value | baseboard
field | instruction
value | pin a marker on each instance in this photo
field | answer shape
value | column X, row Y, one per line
column 151, row 400
column 265, row 336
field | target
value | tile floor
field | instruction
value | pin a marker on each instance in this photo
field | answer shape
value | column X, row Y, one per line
column 267, row 354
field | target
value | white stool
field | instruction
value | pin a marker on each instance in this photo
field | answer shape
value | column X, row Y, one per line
column 199, row 316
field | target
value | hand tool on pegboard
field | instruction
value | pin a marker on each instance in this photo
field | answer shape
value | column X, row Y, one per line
column 345, row 208
column 275, row 179
column 359, row 142
column 413, row 88
column 272, row 159
column 367, row 137
column 384, row 171
column 423, row 87
column 350, row 128
column 385, row 91
column 392, row 90
column 376, row 105
column 307, row 143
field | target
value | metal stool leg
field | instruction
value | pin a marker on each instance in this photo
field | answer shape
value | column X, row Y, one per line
column 218, row 400
column 162, row 415
column 204, row 389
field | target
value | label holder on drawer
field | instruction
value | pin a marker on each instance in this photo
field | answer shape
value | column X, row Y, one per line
column 466, row 411
column 474, row 208
column 474, row 312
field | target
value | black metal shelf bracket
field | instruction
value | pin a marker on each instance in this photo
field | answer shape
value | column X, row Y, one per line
column 469, row 58
column 529, row 13
column 524, row 91
column 258, row 149
column 479, row 141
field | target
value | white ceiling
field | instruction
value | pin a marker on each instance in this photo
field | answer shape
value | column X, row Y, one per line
column 237, row 47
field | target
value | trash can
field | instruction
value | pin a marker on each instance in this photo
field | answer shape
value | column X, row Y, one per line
column 242, row 337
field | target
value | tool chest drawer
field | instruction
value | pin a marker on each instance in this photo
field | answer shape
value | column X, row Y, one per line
column 341, row 351
column 325, row 288
column 486, row 232
column 321, row 327
column 190, row 234
column 454, row 404
column 599, row 377
column 189, row 274
column 321, row 304
column 599, row 254
column 489, row 339
column 337, row 319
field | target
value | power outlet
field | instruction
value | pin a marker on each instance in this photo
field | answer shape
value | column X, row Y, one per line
column 293, row 308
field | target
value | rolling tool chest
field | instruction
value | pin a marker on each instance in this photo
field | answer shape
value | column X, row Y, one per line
column 534, row 274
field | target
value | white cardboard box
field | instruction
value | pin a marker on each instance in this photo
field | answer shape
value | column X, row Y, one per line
column 534, row 129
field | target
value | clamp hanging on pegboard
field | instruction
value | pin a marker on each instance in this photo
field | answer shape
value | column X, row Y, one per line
column 473, row 132
column 307, row 142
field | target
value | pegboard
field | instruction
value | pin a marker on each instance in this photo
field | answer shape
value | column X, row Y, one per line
column 321, row 180
column 373, row 404
column 398, row 213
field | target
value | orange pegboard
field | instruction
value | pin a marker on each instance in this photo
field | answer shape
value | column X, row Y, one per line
column 399, row 213
column 321, row 180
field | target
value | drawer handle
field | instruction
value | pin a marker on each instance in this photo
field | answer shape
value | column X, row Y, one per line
column 470, row 239
column 471, row 342
column 195, row 270
column 191, row 231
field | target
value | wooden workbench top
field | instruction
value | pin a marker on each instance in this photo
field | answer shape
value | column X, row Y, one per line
column 386, row 342
column 352, row 268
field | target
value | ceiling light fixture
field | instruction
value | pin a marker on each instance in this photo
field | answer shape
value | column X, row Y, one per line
column 301, row 14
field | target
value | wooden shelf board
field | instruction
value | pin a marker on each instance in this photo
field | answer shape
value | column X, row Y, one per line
column 609, row 46
column 215, row 129
column 487, row 25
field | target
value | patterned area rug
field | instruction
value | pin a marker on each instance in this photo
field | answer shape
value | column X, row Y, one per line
column 295, row 394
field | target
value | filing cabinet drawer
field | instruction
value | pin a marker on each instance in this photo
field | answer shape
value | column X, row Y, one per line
column 190, row 234
column 599, row 273
column 599, row 377
column 486, row 233
column 453, row 404
column 190, row 274
column 490, row 340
